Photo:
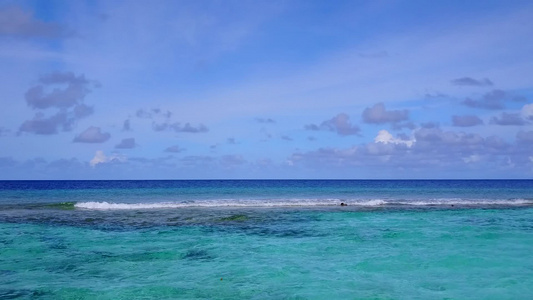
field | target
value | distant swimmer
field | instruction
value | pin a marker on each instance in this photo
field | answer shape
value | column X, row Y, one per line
column 343, row 204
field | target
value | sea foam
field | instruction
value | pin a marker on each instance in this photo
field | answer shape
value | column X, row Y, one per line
column 299, row 203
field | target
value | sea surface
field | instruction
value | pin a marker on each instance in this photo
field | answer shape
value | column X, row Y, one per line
column 266, row 239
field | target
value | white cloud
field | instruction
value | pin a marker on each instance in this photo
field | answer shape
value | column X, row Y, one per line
column 101, row 158
column 527, row 111
column 385, row 137
column 472, row 158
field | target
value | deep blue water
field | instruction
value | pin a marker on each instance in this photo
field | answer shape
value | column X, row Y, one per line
column 356, row 191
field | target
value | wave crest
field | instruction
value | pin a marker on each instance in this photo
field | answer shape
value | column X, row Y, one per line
column 298, row 203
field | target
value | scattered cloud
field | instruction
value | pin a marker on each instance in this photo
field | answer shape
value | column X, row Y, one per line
column 365, row 73
column 508, row 119
column 265, row 120
column 16, row 22
column 177, row 127
column 467, row 81
column 128, row 143
column 62, row 91
column 197, row 161
column 7, row 162
column 330, row 157
column 435, row 95
column 74, row 91
column 433, row 137
column 4, row 131
column 377, row 114
column 286, row 138
column 340, row 124
column 153, row 113
column 126, row 126
column 427, row 149
column 466, row 121
column 525, row 137
column 265, row 134
column 231, row 161
column 429, row 125
column 92, row 135
column 162, row 121
column 143, row 114
column 312, row 127
column 527, row 112
column 495, row 142
column 43, row 125
column 474, row 158
column 158, row 162
column 66, row 165
column 101, row 158
column 493, row 100
column 174, row 149
column 82, row 111
column 401, row 125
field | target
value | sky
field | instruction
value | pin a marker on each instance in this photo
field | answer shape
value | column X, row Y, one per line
column 266, row 89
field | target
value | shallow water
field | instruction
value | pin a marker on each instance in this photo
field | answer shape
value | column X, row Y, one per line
column 375, row 251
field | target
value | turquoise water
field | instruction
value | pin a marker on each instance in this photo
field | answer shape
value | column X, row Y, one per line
column 266, row 240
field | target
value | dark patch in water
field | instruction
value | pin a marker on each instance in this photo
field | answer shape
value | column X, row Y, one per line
column 63, row 267
column 7, row 272
column 434, row 287
column 21, row 293
column 92, row 220
column 69, row 267
column 54, row 242
column 281, row 232
column 197, row 254
column 103, row 254
column 6, row 242
column 141, row 256
column 234, row 218
column 390, row 234
column 58, row 246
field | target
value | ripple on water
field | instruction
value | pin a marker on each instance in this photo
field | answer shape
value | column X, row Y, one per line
column 197, row 254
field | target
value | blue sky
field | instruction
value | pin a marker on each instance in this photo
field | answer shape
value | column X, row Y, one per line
column 266, row 89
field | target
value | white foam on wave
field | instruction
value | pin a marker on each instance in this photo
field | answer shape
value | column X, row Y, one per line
column 473, row 202
column 296, row 203
column 373, row 202
column 205, row 203
column 120, row 206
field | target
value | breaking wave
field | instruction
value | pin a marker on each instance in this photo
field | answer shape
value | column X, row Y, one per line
column 300, row 203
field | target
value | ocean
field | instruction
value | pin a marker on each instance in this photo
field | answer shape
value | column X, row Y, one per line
column 266, row 239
